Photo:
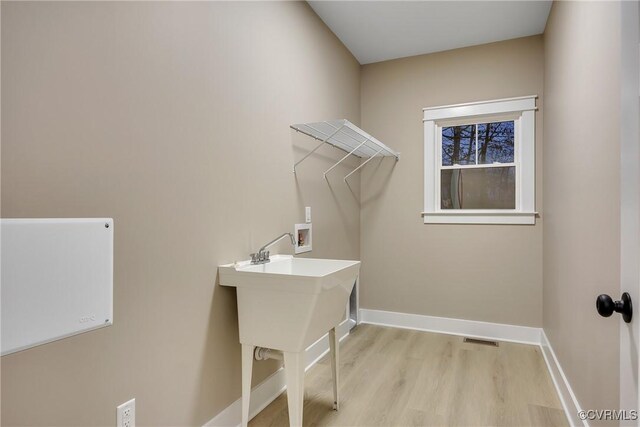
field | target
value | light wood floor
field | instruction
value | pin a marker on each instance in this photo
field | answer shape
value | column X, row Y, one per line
column 397, row 377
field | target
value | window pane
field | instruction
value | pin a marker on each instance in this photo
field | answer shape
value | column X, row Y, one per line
column 482, row 188
column 495, row 142
column 459, row 145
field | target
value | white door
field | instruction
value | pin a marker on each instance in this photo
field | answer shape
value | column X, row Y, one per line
column 630, row 206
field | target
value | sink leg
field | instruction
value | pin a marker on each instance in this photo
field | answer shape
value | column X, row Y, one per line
column 334, row 345
column 294, row 371
column 247, row 366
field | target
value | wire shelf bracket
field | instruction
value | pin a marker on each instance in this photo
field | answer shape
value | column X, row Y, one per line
column 347, row 137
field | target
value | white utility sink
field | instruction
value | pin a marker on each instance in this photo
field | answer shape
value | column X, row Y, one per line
column 286, row 305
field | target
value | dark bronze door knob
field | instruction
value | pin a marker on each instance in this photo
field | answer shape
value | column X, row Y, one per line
column 606, row 306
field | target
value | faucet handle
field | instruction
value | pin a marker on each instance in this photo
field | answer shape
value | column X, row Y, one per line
column 260, row 257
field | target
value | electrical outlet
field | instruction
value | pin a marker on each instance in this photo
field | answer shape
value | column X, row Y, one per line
column 126, row 414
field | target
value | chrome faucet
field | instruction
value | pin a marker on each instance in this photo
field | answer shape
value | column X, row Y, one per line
column 262, row 256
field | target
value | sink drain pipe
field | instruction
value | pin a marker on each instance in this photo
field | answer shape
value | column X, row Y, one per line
column 261, row 353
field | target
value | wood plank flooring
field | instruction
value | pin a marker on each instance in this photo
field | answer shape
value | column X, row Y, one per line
column 399, row 377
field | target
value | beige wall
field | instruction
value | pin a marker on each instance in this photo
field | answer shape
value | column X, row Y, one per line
column 172, row 118
column 582, row 194
column 481, row 272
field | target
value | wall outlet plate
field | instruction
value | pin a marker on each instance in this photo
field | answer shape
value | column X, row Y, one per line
column 307, row 214
column 126, row 414
column 304, row 238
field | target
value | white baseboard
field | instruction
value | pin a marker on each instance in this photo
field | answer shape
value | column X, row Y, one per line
column 268, row 390
column 569, row 401
column 444, row 325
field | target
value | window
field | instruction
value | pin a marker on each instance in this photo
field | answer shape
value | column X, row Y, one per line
column 477, row 167
column 480, row 162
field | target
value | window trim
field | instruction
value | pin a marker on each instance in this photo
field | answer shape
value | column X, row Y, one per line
column 524, row 159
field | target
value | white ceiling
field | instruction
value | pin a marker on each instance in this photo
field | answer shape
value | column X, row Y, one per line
column 380, row 30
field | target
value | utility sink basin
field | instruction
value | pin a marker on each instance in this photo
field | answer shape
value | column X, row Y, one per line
column 286, row 305
column 289, row 303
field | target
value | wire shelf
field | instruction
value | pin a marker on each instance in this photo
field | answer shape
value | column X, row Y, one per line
column 346, row 136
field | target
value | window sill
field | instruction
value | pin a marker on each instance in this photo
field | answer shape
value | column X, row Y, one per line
column 480, row 217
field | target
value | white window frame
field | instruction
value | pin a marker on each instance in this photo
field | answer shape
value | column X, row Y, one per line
column 522, row 109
